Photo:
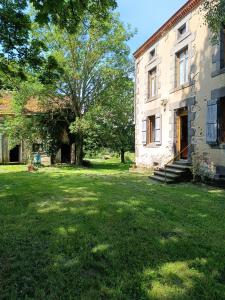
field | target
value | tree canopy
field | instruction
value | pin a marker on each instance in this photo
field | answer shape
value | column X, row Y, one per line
column 215, row 15
column 18, row 48
column 91, row 65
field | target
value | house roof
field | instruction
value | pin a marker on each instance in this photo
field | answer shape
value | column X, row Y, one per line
column 179, row 15
column 7, row 109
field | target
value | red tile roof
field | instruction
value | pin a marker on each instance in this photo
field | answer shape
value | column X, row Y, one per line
column 6, row 108
column 179, row 15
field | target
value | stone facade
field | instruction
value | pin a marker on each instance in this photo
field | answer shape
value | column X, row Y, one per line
column 205, row 82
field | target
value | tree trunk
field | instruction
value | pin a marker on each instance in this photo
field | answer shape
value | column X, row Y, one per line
column 79, row 154
column 122, row 156
column 53, row 157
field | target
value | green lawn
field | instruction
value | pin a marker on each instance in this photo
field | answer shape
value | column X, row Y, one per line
column 102, row 233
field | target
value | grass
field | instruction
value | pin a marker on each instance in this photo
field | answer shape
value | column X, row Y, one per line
column 102, row 233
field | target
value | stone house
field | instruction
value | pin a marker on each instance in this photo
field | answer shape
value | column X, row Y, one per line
column 18, row 153
column 180, row 94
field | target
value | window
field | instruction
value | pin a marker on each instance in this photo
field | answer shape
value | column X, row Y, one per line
column 222, row 120
column 182, row 67
column 152, row 83
column 182, row 30
column 151, row 130
column 152, row 54
column 215, row 130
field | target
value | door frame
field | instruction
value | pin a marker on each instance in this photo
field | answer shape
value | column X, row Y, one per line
column 182, row 112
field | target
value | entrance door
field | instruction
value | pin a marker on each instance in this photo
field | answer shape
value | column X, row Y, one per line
column 14, row 154
column 65, row 154
column 182, row 133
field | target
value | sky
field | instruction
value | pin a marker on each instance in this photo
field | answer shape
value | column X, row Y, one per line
column 146, row 16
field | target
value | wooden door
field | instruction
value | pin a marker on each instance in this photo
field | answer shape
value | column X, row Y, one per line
column 178, row 135
column 182, row 133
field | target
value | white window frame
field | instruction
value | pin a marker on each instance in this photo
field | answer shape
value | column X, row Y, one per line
column 183, row 67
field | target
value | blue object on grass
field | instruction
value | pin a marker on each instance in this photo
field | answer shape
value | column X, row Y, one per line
column 37, row 158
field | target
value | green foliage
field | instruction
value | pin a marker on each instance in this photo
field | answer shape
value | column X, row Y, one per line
column 109, row 123
column 95, row 62
column 81, row 72
column 215, row 15
column 69, row 14
column 17, row 45
column 19, row 128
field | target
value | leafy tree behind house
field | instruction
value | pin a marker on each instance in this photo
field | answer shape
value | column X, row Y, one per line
column 90, row 64
column 110, row 123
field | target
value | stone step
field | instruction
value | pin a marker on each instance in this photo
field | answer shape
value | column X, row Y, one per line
column 179, row 166
column 173, row 171
column 167, row 174
column 182, row 163
column 161, row 179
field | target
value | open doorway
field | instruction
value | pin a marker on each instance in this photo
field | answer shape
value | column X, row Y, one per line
column 65, row 154
column 182, row 133
column 14, row 154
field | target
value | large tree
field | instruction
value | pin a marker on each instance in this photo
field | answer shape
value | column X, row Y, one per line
column 89, row 62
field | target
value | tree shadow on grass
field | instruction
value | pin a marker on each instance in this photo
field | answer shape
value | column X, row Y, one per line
column 80, row 237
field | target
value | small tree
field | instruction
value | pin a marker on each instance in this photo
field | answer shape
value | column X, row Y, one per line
column 109, row 123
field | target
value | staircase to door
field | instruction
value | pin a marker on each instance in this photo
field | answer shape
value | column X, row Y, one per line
column 178, row 169
column 174, row 172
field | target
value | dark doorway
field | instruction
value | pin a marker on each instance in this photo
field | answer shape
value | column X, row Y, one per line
column 14, row 154
column 184, row 136
column 65, row 154
column 182, row 133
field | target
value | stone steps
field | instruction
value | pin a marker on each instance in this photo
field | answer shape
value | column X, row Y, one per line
column 173, row 173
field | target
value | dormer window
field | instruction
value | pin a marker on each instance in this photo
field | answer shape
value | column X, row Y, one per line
column 182, row 30
column 152, row 54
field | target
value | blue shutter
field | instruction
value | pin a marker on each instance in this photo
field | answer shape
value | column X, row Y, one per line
column 144, row 132
column 158, row 129
column 222, row 48
column 212, row 122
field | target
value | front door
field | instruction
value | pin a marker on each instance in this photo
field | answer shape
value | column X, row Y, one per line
column 182, row 133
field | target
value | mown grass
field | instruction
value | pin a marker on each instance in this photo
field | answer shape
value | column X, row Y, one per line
column 102, row 233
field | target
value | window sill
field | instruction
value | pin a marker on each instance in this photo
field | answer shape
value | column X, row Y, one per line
column 152, row 145
column 183, row 37
column 152, row 99
column 153, row 59
column 181, row 87
column 218, row 72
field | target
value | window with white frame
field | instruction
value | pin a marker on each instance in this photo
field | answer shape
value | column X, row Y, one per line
column 152, row 83
column 182, row 67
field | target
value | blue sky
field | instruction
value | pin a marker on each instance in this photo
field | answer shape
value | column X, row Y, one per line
column 146, row 16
